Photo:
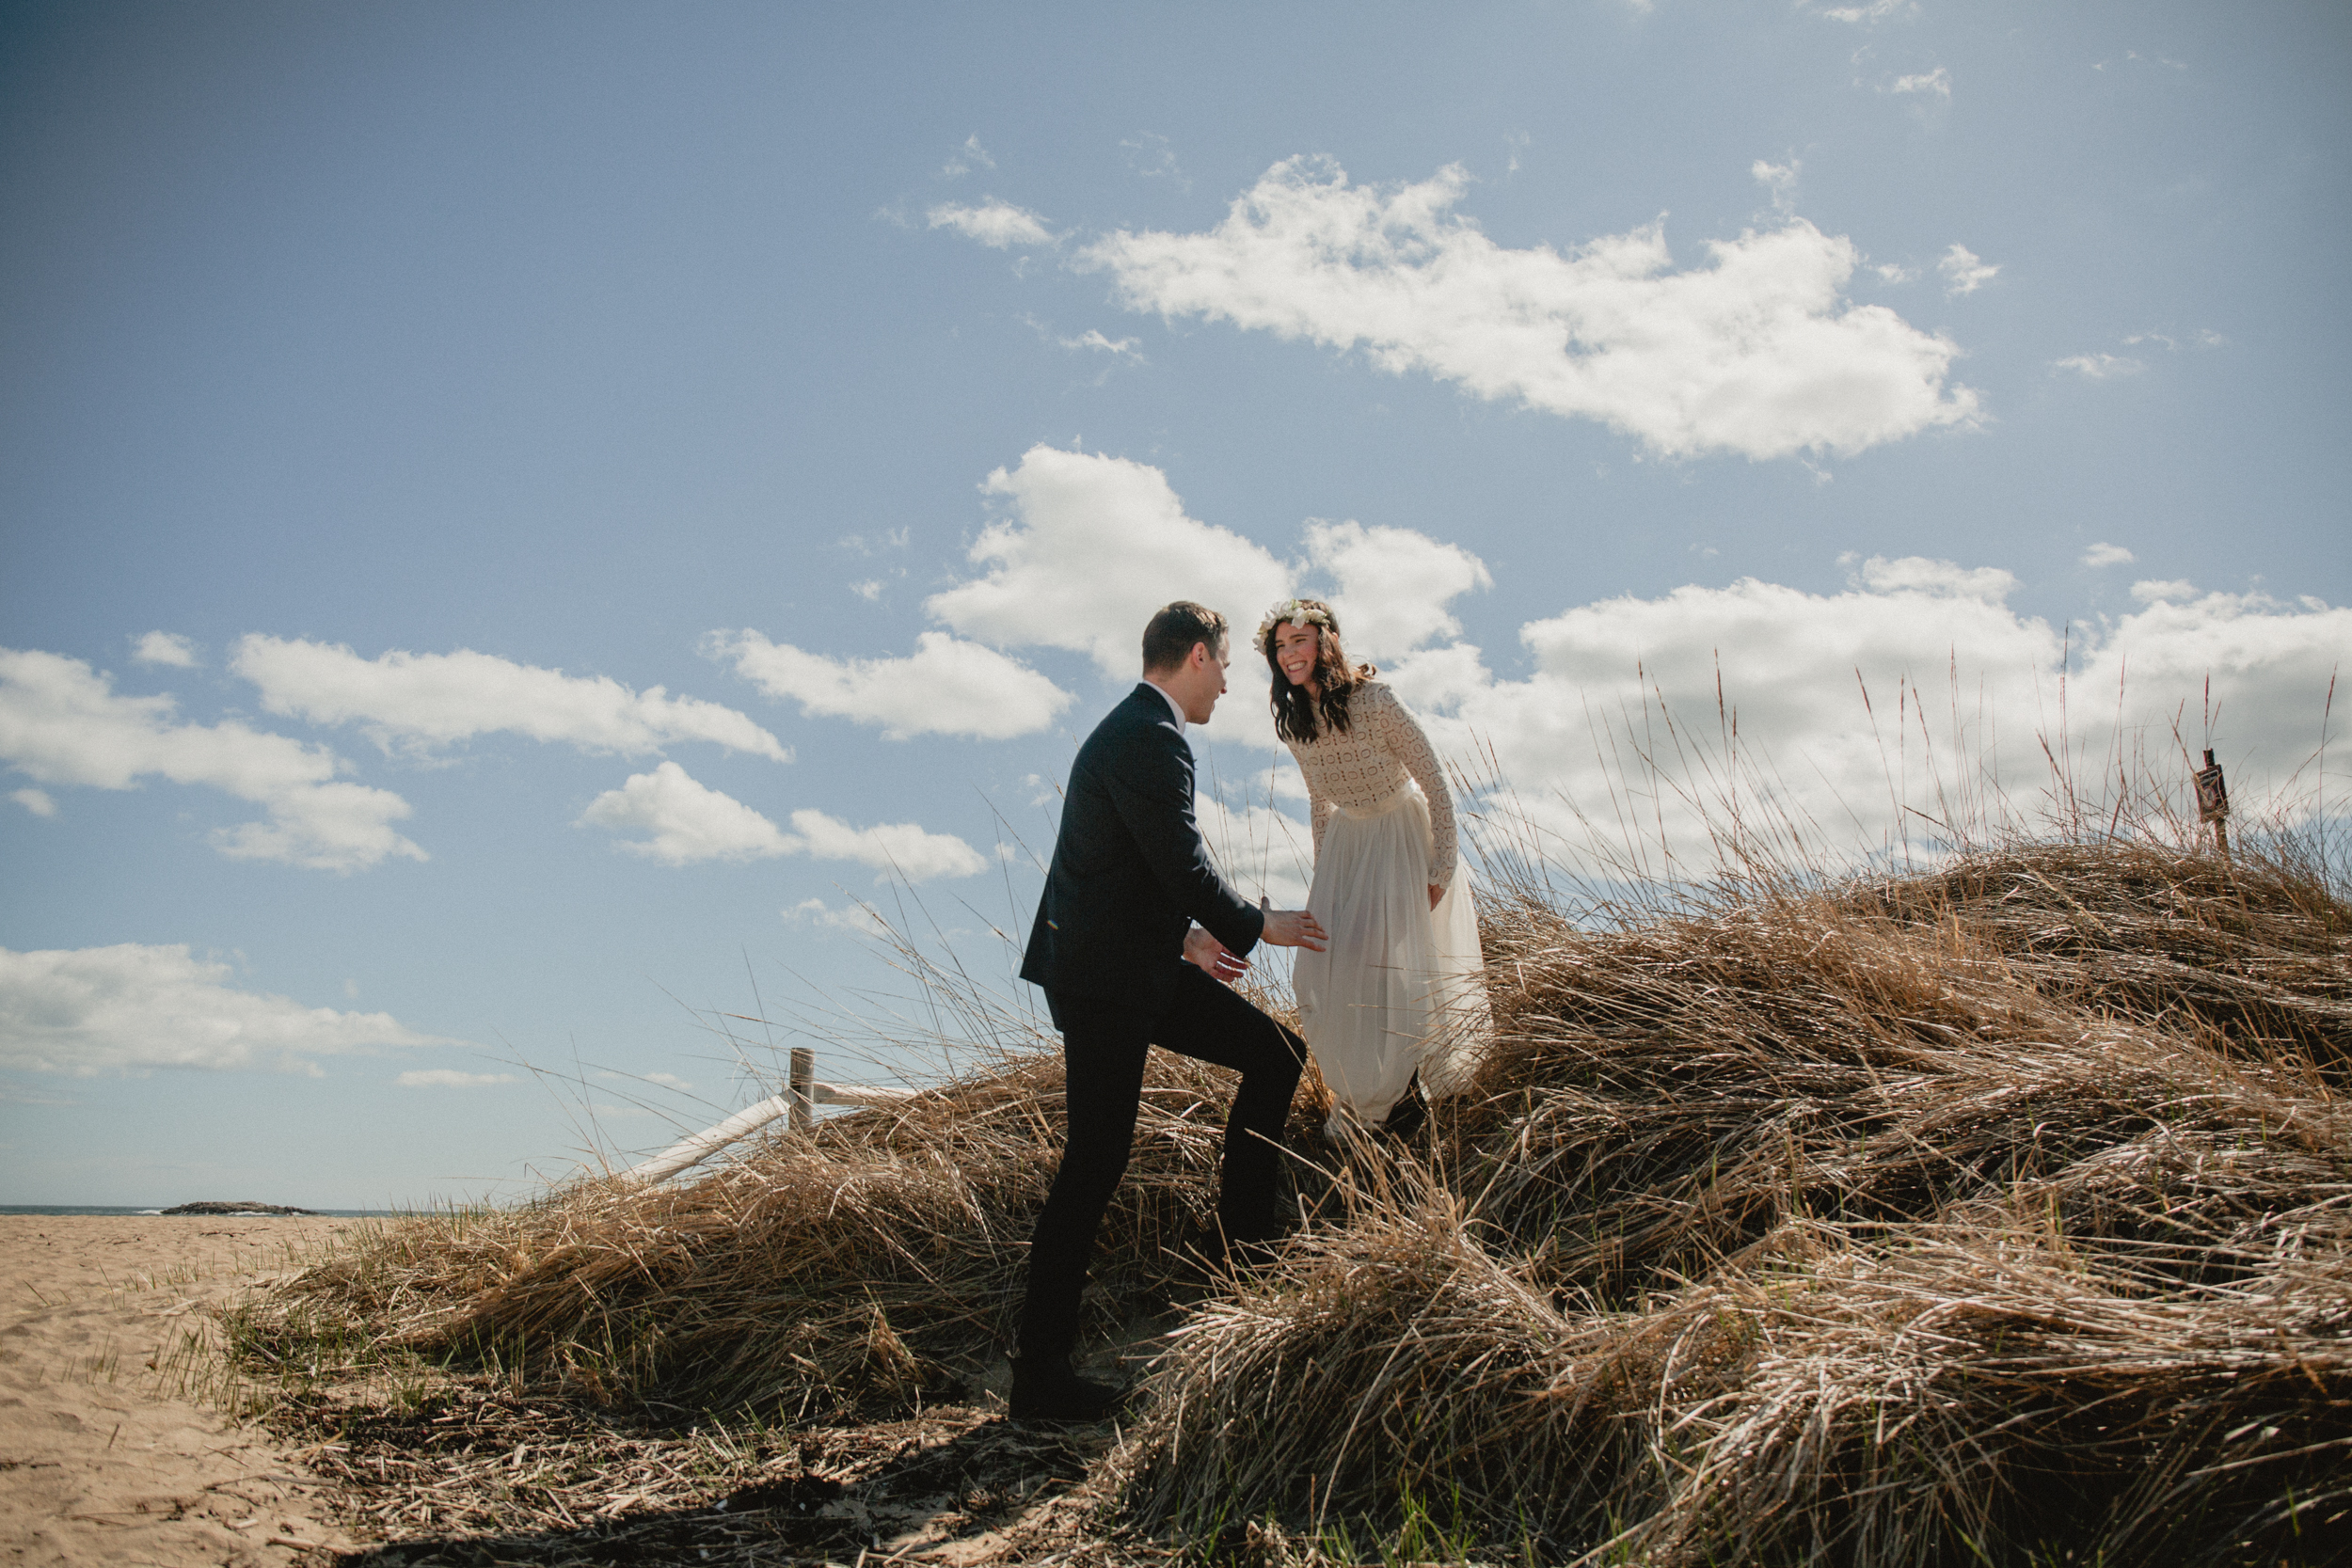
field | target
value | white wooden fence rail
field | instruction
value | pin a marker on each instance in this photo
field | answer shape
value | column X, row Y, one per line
column 799, row 1103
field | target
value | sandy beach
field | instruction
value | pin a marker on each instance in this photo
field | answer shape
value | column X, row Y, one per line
column 102, row 1463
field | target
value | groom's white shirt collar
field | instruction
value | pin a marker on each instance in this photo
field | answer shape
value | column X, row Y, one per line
column 1173, row 706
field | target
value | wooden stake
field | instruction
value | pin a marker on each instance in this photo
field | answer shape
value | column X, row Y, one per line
column 2213, row 803
column 803, row 1090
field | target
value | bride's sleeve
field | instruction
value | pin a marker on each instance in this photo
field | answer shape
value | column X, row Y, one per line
column 1319, row 813
column 1398, row 731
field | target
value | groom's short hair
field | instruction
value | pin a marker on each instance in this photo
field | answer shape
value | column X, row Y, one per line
column 1168, row 636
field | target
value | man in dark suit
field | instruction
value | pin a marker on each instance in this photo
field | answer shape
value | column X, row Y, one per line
column 1114, row 932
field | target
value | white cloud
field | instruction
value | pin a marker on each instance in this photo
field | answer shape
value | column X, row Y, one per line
column 1282, row 781
column 857, row 919
column 164, row 647
column 1943, row 579
column 1787, row 658
column 1895, row 271
column 37, row 802
column 1853, row 710
column 899, row 848
column 422, row 700
column 667, row 1079
column 61, row 723
column 1263, row 851
column 1394, row 585
column 450, row 1078
column 1780, row 180
column 131, row 1007
column 1870, row 11
column 1091, row 341
column 1791, row 668
column 997, row 224
column 1966, row 272
column 1151, row 155
column 1932, row 84
column 1096, row 544
column 1826, row 693
column 2269, row 665
column 1125, row 347
column 967, row 157
column 2099, row 367
column 947, row 687
column 2205, row 337
column 1757, row 352
column 685, row 822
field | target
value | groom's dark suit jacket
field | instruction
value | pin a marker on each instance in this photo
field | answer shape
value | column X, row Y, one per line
column 1130, row 873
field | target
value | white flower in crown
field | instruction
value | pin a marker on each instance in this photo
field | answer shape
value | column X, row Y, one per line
column 1298, row 613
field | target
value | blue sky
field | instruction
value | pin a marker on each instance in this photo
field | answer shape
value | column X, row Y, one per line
column 516, row 517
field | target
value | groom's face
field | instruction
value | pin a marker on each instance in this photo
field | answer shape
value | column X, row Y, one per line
column 1206, row 669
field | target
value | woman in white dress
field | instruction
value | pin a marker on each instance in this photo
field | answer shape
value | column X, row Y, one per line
column 1399, row 988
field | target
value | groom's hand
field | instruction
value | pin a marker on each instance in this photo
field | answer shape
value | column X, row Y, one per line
column 1293, row 928
column 1220, row 961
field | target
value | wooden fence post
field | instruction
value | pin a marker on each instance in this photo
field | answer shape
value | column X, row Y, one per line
column 2213, row 803
column 803, row 1090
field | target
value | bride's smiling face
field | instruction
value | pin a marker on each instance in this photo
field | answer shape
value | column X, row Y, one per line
column 1295, row 650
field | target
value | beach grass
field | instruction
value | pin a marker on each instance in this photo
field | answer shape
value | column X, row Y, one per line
column 1989, row 1203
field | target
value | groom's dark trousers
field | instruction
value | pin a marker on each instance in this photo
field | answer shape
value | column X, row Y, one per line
column 1130, row 875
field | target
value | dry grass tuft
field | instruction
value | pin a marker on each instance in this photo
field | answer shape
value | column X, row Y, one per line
column 811, row 1277
column 2000, row 1211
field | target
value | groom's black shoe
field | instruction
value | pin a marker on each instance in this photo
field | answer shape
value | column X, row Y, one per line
column 1045, row 1388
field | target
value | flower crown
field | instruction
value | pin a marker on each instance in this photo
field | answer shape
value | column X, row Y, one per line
column 1298, row 613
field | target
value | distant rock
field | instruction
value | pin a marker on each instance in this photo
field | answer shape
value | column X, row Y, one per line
column 237, row 1208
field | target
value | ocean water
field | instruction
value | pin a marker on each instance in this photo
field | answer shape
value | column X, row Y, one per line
column 134, row 1213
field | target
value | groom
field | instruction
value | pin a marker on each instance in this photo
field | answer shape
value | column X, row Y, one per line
column 1111, row 945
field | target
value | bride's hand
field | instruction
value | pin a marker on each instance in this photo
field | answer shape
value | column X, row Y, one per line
column 1436, row 893
column 1219, row 961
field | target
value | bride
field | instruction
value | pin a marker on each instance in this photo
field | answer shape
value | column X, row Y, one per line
column 1400, row 987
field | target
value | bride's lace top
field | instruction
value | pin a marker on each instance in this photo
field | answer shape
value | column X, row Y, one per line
column 1384, row 746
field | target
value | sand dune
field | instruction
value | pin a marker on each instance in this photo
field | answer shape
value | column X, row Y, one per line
column 102, row 1463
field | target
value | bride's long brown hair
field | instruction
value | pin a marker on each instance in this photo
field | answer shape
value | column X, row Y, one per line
column 1295, row 714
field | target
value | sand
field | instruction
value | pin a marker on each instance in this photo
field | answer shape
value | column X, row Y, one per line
column 100, row 1461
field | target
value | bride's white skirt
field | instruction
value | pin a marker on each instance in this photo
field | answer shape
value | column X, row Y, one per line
column 1401, row 987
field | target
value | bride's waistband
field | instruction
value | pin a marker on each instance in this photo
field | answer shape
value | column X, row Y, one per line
column 1408, row 790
